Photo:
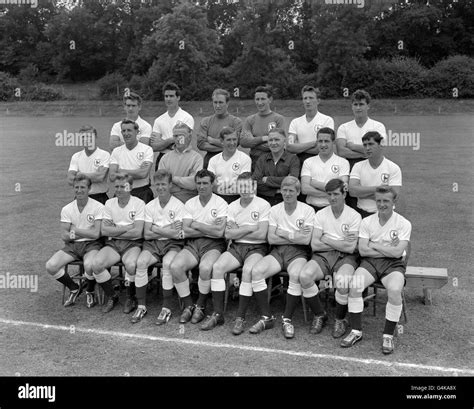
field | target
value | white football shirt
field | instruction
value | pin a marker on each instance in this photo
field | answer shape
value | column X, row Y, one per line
column 85, row 219
column 307, row 131
column 132, row 159
column 351, row 132
column 164, row 123
column 80, row 162
column 226, row 171
column 216, row 208
column 302, row 216
column 387, row 173
column 164, row 216
column 257, row 211
column 123, row 216
column 334, row 168
column 349, row 220
column 396, row 226
column 144, row 129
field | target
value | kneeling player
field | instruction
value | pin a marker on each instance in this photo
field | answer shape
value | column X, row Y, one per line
column 334, row 241
column 204, row 222
column 163, row 240
column 291, row 226
column 122, row 221
column 80, row 231
column 247, row 227
column 383, row 237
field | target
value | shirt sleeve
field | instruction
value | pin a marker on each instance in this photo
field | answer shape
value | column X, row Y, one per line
column 148, row 155
column 114, row 157
column 148, row 214
column 140, row 214
column 99, row 212
column 211, row 166
column 355, row 223
column 157, row 127
column 382, row 130
column 202, row 132
column 107, row 213
column 309, row 216
column 188, row 210
column 73, row 165
column 306, row 169
column 116, row 130
column 280, row 121
column 65, row 217
column 246, row 163
column 344, row 171
column 265, row 213
column 318, row 223
column 395, row 176
column 222, row 208
column 272, row 220
column 146, row 130
column 364, row 231
column 341, row 132
column 330, row 123
column 237, row 125
column 293, row 130
column 405, row 232
column 355, row 173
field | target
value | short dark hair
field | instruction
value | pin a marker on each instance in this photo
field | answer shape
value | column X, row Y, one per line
column 220, row 91
column 386, row 189
column 267, row 89
column 227, row 130
column 161, row 174
column 361, row 94
column 125, row 176
column 329, row 131
column 88, row 128
column 310, row 88
column 129, row 121
column 335, row 184
column 245, row 176
column 372, row 135
column 204, row 173
column 80, row 177
column 171, row 86
column 133, row 96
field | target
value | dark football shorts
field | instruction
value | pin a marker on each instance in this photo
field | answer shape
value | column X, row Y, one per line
column 159, row 248
column 331, row 261
column 243, row 250
column 200, row 246
column 77, row 249
column 382, row 267
column 122, row 246
column 286, row 253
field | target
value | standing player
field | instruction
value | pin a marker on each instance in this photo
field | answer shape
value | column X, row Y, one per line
column 183, row 163
column 208, row 139
column 122, row 221
column 132, row 104
column 304, row 129
column 228, row 165
column 247, row 227
column 320, row 169
column 92, row 162
column 367, row 175
column 383, row 238
column 289, row 233
column 334, row 243
column 274, row 166
column 204, row 223
column 162, row 136
column 256, row 127
column 80, row 231
column 163, row 240
column 135, row 159
column 349, row 135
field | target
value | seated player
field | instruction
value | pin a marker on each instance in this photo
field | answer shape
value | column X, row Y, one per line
column 375, row 171
column 204, row 222
column 334, row 243
column 383, row 237
column 122, row 221
column 80, row 231
column 272, row 167
column 92, row 162
column 228, row 165
column 289, row 233
column 135, row 159
column 163, row 240
column 320, row 169
column 247, row 227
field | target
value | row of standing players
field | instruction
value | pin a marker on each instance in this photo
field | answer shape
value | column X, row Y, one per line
column 269, row 171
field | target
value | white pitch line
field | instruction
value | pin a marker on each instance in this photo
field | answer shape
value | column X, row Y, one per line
column 233, row 346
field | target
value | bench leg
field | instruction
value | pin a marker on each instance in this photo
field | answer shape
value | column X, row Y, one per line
column 226, row 294
column 305, row 311
column 427, row 296
column 404, row 308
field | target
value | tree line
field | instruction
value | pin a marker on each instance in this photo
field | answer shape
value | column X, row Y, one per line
column 410, row 48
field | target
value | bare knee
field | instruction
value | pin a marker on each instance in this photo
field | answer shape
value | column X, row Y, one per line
column 247, row 274
column 218, row 271
column 205, row 271
column 258, row 273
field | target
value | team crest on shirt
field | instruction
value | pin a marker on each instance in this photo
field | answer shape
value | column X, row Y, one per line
column 132, row 214
column 272, row 125
column 393, row 234
column 335, row 168
column 214, row 212
column 255, row 215
column 90, row 218
column 171, row 214
column 235, row 166
column 385, row 177
column 96, row 163
column 300, row 223
column 345, row 228
column 140, row 155
column 317, row 127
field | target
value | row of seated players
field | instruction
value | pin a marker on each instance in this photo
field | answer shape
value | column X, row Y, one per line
column 307, row 245
column 135, row 159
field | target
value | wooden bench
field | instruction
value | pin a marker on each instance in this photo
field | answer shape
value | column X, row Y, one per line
column 427, row 279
